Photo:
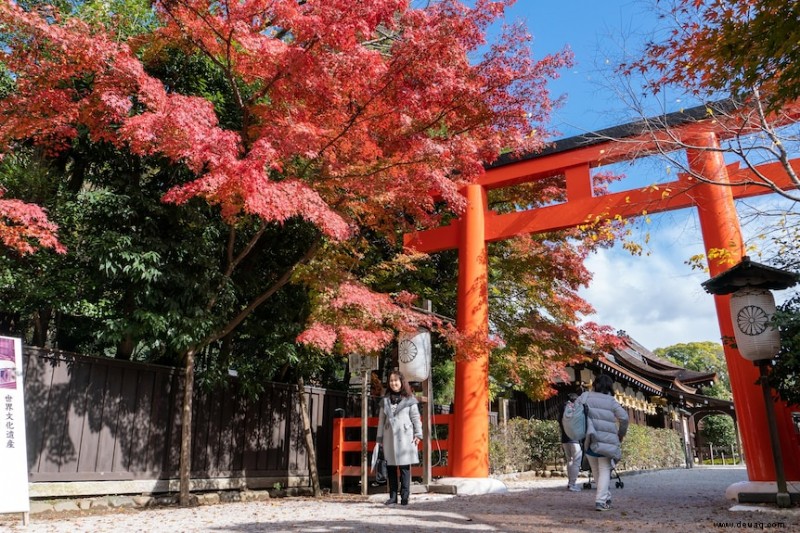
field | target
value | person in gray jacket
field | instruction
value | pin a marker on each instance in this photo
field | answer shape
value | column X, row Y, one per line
column 607, row 424
column 399, row 432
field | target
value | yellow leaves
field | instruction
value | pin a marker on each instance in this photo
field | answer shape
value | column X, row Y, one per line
column 697, row 262
column 633, row 247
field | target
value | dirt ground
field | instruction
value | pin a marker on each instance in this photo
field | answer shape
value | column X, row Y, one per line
column 669, row 500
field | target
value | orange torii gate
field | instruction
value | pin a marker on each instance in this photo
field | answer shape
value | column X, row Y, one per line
column 573, row 159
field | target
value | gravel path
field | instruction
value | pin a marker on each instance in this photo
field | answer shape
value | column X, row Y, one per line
column 669, row 500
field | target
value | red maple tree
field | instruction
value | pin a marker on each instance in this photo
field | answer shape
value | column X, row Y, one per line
column 727, row 47
column 347, row 110
column 349, row 115
column 24, row 226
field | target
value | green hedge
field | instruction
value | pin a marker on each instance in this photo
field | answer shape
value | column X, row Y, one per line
column 526, row 445
column 646, row 447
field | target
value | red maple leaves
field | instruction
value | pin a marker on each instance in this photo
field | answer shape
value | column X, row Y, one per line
column 22, row 225
column 347, row 110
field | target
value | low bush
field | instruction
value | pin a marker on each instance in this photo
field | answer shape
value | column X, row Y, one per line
column 646, row 447
column 524, row 445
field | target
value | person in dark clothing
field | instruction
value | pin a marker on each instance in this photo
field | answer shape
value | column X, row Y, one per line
column 572, row 451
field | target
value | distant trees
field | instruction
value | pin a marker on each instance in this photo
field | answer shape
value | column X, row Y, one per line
column 701, row 357
column 718, row 430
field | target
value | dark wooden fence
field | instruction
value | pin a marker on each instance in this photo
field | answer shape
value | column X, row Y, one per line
column 93, row 419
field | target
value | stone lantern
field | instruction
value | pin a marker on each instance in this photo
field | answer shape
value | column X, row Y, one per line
column 752, row 306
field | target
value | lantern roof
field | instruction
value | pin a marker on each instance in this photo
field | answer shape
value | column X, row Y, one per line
column 750, row 274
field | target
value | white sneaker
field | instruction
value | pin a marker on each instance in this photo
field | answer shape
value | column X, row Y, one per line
column 573, row 488
column 602, row 506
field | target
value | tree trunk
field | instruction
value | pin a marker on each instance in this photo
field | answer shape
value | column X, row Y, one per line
column 186, row 428
column 308, row 440
column 41, row 325
column 125, row 348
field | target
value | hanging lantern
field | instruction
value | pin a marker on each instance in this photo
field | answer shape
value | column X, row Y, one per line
column 414, row 354
column 751, row 311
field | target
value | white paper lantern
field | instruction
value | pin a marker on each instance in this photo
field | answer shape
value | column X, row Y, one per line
column 751, row 311
column 414, row 354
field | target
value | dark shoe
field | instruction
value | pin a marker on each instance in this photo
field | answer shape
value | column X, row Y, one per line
column 392, row 499
column 403, row 502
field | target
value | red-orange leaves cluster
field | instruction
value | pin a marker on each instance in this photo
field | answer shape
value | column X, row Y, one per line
column 21, row 224
column 348, row 113
column 359, row 104
column 727, row 46
column 353, row 319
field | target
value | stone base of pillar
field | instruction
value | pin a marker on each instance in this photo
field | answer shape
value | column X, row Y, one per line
column 472, row 485
column 764, row 492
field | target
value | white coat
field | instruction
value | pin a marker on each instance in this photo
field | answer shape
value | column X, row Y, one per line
column 396, row 431
column 607, row 422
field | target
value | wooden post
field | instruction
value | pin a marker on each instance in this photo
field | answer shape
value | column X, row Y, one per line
column 185, row 471
column 338, row 442
column 427, row 412
column 365, row 375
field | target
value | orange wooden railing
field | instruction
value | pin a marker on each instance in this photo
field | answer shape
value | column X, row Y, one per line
column 342, row 446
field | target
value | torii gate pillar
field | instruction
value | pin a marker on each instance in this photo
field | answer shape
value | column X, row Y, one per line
column 719, row 224
column 470, row 453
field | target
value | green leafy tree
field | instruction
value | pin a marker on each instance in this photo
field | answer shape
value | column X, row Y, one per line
column 718, row 430
column 785, row 374
column 702, row 357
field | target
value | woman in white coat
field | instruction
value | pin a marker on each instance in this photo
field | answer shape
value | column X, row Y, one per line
column 607, row 423
column 399, row 432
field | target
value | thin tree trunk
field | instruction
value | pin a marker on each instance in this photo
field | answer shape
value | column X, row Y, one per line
column 186, row 415
column 308, row 440
column 41, row 325
column 186, row 428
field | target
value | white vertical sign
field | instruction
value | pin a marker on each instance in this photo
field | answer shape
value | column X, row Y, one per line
column 13, row 457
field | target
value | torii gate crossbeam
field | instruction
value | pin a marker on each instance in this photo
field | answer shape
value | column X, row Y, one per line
column 720, row 228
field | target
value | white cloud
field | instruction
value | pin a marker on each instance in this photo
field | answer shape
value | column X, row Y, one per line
column 657, row 299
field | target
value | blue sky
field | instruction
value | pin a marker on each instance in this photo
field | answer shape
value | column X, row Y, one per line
column 656, row 298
